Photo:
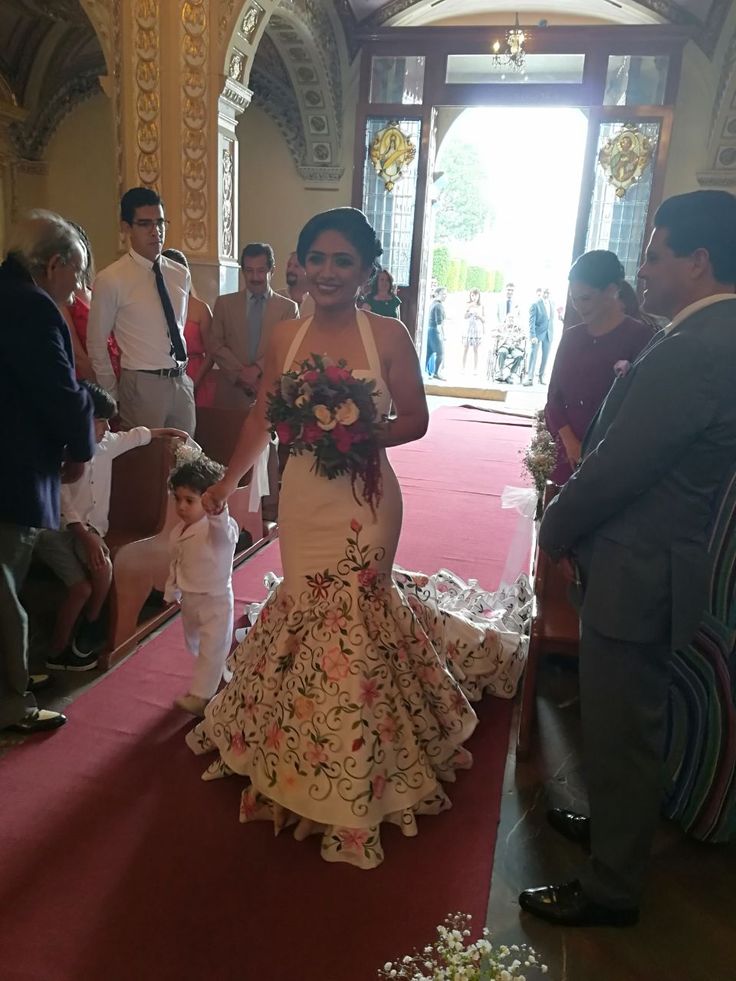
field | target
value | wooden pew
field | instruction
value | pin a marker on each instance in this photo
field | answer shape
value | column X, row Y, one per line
column 554, row 630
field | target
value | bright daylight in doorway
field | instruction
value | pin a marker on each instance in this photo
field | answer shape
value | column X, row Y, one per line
column 506, row 204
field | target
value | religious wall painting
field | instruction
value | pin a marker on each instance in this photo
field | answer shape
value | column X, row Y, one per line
column 624, row 158
column 391, row 152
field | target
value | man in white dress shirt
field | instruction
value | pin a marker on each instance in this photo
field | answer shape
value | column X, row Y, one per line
column 297, row 288
column 142, row 299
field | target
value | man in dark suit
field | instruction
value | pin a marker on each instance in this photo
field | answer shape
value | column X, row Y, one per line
column 46, row 431
column 541, row 329
column 634, row 519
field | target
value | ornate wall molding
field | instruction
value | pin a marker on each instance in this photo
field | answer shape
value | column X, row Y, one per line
column 147, row 85
column 293, row 85
column 194, row 131
column 30, row 137
column 227, row 163
column 102, row 15
column 721, row 156
column 236, row 95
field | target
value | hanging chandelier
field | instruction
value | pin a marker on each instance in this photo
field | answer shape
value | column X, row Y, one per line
column 513, row 55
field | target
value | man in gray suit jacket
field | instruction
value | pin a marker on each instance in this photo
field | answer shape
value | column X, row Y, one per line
column 633, row 522
column 240, row 325
column 541, row 330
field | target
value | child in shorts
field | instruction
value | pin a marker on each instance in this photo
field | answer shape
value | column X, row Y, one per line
column 77, row 552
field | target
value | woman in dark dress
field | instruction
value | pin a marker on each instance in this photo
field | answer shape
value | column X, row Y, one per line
column 382, row 298
column 590, row 354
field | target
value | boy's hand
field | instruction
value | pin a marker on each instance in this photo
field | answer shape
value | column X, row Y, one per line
column 94, row 547
column 174, row 433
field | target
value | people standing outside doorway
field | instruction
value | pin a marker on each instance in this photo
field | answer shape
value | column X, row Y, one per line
column 475, row 319
column 142, row 298
column 436, row 335
column 541, row 331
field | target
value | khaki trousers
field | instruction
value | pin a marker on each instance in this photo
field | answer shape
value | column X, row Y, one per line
column 156, row 402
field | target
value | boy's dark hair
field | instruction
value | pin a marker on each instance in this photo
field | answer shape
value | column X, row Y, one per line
column 255, row 249
column 103, row 403
column 137, row 197
column 702, row 220
column 199, row 474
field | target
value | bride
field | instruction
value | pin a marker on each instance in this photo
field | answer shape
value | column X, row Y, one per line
column 348, row 703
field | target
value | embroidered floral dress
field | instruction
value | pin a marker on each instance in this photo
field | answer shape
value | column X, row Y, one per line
column 348, row 703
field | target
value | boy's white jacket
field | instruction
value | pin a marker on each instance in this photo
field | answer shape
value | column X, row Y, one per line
column 202, row 556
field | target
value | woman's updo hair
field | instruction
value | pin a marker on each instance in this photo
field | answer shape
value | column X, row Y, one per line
column 598, row 269
column 349, row 222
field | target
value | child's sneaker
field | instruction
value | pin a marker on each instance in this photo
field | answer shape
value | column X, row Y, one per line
column 68, row 660
column 89, row 639
column 192, row 704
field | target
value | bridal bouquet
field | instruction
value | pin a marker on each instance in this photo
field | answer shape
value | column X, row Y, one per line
column 452, row 957
column 323, row 409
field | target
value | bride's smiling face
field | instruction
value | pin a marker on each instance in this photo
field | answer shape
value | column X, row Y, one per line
column 335, row 270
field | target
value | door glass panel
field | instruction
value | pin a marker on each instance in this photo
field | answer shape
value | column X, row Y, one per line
column 392, row 212
column 399, row 80
column 636, row 80
column 618, row 223
column 538, row 69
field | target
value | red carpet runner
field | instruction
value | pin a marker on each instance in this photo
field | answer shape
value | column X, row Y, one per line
column 117, row 863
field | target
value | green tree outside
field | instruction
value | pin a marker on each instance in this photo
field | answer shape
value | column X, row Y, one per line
column 462, row 209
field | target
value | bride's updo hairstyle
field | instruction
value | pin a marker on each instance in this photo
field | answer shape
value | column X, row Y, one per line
column 598, row 269
column 350, row 223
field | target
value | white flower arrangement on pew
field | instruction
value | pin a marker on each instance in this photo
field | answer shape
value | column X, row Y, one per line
column 453, row 958
column 540, row 455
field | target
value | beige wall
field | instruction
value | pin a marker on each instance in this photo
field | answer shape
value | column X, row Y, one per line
column 81, row 182
column 688, row 151
column 274, row 204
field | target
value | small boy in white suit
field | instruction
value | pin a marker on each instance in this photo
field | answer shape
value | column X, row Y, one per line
column 200, row 577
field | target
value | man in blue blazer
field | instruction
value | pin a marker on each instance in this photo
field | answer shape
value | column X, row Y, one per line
column 633, row 522
column 541, row 329
column 46, row 431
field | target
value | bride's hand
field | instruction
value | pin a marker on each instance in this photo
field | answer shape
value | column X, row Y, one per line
column 215, row 497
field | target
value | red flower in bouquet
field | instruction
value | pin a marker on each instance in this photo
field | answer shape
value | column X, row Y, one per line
column 322, row 408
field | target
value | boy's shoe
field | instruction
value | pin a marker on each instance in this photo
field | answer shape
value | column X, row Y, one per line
column 68, row 660
column 192, row 704
column 89, row 638
column 37, row 720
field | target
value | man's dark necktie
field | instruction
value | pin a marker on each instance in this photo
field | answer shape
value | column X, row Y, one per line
column 255, row 324
column 178, row 351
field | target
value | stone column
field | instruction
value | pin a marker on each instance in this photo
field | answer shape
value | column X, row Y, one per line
column 178, row 112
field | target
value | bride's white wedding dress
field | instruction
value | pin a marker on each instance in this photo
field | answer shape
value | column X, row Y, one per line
column 348, row 704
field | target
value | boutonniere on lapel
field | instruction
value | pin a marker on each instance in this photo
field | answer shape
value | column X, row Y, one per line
column 622, row 368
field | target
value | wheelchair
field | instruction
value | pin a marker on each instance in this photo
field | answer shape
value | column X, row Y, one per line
column 516, row 358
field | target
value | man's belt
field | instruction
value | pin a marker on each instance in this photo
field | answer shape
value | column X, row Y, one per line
column 176, row 372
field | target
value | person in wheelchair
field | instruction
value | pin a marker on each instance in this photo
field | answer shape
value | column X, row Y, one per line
column 510, row 352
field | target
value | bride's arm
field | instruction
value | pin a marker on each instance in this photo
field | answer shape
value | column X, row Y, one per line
column 403, row 376
column 253, row 435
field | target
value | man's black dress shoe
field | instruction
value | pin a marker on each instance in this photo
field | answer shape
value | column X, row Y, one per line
column 573, row 826
column 567, row 905
column 39, row 720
